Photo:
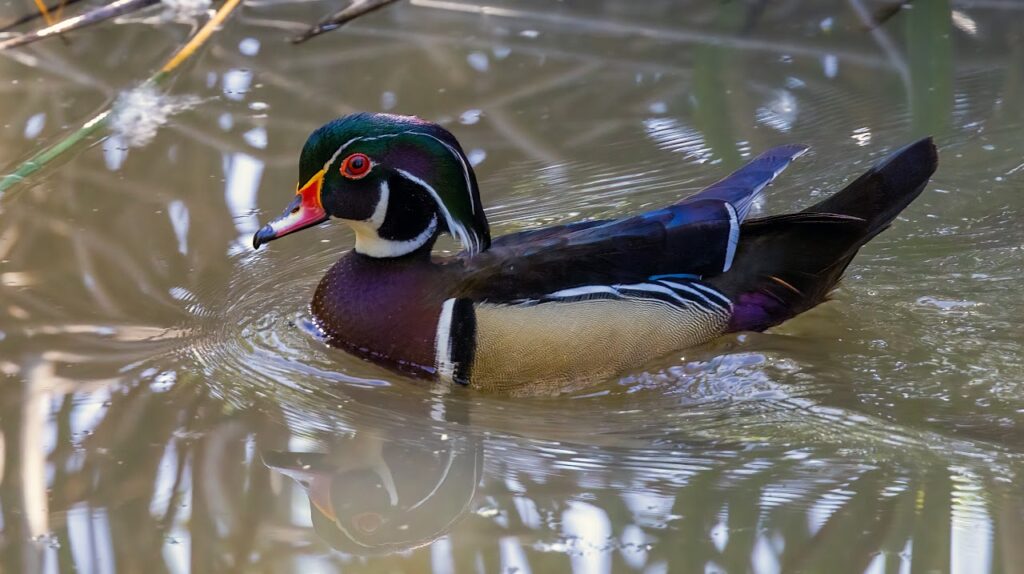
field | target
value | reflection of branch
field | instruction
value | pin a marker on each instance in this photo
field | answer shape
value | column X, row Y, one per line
column 354, row 10
column 96, row 16
column 884, row 13
column 613, row 27
column 883, row 40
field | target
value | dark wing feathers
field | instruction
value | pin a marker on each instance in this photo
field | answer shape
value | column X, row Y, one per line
column 627, row 250
column 787, row 264
column 537, row 235
column 880, row 194
column 784, row 265
column 743, row 185
column 696, row 236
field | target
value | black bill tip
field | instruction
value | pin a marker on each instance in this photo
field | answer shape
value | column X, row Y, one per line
column 266, row 234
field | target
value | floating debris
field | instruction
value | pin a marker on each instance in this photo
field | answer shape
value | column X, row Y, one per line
column 139, row 113
column 189, row 10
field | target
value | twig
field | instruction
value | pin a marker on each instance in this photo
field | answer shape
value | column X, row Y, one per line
column 101, row 120
column 873, row 26
column 35, row 15
column 884, row 13
column 44, row 11
column 354, row 10
column 204, row 33
column 107, row 12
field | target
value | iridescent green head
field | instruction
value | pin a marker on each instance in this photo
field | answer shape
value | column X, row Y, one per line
column 398, row 181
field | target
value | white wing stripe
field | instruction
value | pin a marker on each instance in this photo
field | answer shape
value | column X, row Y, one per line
column 690, row 294
column 583, row 291
column 716, row 294
column 734, row 236
column 654, row 289
column 694, row 292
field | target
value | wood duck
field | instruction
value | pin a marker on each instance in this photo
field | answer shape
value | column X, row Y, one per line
column 577, row 302
column 372, row 496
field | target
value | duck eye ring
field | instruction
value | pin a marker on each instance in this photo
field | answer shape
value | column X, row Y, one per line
column 356, row 166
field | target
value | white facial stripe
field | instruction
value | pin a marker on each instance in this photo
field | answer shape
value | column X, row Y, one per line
column 462, row 162
column 440, row 482
column 368, row 239
column 381, row 211
column 338, row 152
column 385, row 136
column 352, row 141
column 456, row 228
column 443, row 343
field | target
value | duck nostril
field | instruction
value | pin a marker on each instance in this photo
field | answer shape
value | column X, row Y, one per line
column 296, row 209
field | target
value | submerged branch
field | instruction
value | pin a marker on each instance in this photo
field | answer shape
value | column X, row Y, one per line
column 334, row 21
column 112, row 10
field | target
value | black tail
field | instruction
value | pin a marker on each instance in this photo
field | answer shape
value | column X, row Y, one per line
column 787, row 264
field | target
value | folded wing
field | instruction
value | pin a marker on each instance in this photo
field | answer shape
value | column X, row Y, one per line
column 697, row 236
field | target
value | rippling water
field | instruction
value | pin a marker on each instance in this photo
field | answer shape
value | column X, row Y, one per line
column 168, row 407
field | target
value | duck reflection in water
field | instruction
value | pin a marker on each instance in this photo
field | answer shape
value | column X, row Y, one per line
column 370, row 495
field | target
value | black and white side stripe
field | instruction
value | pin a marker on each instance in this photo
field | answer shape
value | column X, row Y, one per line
column 675, row 291
column 455, row 341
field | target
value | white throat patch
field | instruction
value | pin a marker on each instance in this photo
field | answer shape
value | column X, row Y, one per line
column 370, row 243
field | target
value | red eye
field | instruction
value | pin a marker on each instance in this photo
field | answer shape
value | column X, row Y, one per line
column 356, row 166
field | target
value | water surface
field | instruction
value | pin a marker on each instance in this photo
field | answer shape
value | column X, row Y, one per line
column 166, row 409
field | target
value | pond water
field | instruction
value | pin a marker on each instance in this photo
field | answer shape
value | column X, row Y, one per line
column 166, row 409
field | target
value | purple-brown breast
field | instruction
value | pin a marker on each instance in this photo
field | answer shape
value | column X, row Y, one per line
column 385, row 310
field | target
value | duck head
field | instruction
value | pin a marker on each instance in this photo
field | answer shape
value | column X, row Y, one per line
column 398, row 181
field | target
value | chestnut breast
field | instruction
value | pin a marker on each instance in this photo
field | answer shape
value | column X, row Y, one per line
column 383, row 309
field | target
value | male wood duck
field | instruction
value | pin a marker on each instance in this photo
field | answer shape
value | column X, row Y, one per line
column 577, row 302
column 368, row 495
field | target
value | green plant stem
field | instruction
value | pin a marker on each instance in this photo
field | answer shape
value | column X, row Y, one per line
column 38, row 161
